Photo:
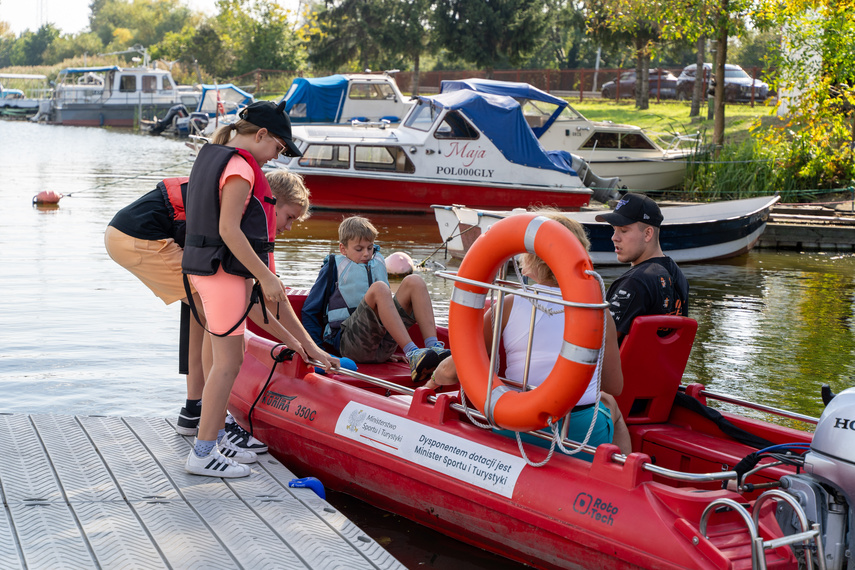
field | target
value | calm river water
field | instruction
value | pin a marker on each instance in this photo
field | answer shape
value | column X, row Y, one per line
column 80, row 335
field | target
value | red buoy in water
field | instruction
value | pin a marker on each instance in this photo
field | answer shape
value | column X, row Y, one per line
column 47, row 197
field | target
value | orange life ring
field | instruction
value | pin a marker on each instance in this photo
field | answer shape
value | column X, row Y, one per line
column 583, row 327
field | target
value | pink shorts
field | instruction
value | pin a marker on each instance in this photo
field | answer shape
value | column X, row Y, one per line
column 225, row 298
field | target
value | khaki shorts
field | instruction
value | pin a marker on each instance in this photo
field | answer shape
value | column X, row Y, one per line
column 365, row 339
column 157, row 263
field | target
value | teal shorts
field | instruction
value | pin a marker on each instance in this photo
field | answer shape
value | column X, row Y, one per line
column 580, row 421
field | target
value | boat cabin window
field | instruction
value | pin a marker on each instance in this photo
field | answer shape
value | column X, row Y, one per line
column 127, row 83
column 422, row 116
column 628, row 141
column 383, row 158
column 454, row 126
column 373, row 91
column 149, row 83
column 326, row 156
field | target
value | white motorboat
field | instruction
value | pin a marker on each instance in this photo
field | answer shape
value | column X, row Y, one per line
column 612, row 149
column 698, row 232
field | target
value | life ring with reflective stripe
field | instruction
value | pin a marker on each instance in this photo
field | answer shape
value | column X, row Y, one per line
column 583, row 326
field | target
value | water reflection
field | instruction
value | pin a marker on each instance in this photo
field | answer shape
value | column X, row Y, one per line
column 772, row 326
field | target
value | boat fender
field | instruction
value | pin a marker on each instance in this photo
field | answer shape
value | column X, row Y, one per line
column 583, row 325
column 47, row 197
column 399, row 263
column 309, row 483
column 343, row 362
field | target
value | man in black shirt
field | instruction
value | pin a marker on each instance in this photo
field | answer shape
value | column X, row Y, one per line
column 654, row 285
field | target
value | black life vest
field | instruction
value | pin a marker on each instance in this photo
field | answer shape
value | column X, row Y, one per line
column 174, row 192
column 204, row 249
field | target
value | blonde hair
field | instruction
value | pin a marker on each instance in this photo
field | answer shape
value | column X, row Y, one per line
column 241, row 127
column 289, row 188
column 356, row 227
column 536, row 266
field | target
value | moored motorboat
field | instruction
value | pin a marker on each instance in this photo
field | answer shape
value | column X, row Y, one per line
column 372, row 434
column 113, row 96
column 612, row 149
column 344, row 98
column 460, row 147
column 696, row 232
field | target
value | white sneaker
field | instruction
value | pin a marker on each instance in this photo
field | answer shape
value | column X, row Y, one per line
column 230, row 450
column 215, row 465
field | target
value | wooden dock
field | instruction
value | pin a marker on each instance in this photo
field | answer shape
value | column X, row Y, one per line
column 808, row 228
column 111, row 492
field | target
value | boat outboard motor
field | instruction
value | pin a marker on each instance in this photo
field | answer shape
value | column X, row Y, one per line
column 605, row 189
column 176, row 111
column 826, row 489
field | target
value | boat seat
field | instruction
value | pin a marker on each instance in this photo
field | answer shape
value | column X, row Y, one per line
column 653, row 357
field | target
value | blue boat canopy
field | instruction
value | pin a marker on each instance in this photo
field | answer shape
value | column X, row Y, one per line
column 103, row 69
column 519, row 91
column 316, row 100
column 232, row 98
column 501, row 119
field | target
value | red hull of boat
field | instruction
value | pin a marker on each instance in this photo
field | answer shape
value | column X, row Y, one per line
column 415, row 196
column 568, row 514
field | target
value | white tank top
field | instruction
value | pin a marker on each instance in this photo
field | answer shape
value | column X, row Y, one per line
column 546, row 345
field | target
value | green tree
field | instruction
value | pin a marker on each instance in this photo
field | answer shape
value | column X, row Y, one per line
column 488, row 32
column 815, row 74
column 147, row 21
column 68, row 46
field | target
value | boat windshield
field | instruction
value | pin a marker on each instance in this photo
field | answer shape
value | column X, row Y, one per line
column 540, row 111
column 422, row 116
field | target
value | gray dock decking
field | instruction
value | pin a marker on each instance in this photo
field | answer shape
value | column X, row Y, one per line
column 111, row 492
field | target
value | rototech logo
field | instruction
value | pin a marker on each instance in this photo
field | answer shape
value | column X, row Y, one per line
column 583, row 503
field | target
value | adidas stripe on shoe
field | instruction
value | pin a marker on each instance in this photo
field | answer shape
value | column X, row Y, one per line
column 242, row 438
column 231, row 451
column 215, row 465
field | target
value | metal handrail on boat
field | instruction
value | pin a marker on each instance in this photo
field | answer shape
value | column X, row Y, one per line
column 752, row 522
column 755, row 406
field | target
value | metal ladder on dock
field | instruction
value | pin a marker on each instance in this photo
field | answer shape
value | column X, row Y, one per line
column 760, row 546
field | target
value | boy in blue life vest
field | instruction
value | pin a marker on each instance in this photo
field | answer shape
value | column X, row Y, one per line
column 351, row 309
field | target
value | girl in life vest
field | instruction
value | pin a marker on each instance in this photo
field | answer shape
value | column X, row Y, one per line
column 232, row 220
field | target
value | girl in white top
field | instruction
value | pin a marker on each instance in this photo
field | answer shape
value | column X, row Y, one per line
column 546, row 345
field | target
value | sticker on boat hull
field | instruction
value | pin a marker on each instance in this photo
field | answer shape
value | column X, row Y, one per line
column 445, row 453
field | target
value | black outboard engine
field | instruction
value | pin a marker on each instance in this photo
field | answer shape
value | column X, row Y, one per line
column 604, row 189
column 175, row 112
column 826, row 489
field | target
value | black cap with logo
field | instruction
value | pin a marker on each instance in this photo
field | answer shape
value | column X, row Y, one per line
column 272, row 117
column 633, row 208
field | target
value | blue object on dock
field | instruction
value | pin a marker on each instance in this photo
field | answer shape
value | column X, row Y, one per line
column 311, row 483
column 344, row 362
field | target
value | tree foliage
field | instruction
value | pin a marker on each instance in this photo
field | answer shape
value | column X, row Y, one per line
column 816, row 77
column 487, row 32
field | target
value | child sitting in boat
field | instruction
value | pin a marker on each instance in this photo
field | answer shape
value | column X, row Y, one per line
column 609, row 426
column 352, row 311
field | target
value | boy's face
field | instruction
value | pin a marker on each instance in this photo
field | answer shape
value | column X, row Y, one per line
column 286, row 214
column 358, row 250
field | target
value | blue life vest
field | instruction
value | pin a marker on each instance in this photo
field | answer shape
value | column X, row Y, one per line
column 353, row 281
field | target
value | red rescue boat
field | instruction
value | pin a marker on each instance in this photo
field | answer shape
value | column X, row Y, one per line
column 702, row 489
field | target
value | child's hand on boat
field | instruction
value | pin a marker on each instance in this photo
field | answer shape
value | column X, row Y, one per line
column 327, row 361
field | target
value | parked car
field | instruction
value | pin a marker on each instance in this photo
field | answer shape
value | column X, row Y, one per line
column 662, row 84
column 737, row 84
column 686, row 81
